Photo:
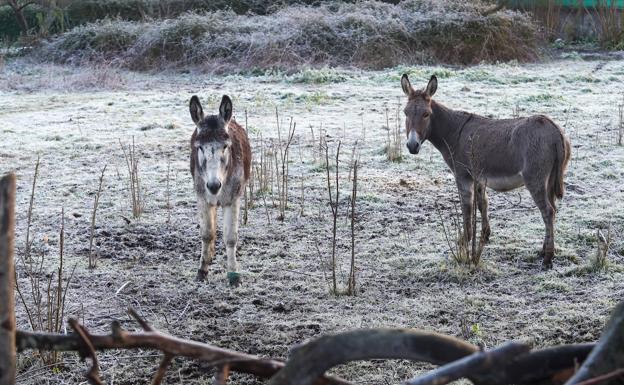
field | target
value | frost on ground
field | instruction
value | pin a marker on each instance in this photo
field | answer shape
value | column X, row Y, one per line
column 74, row 119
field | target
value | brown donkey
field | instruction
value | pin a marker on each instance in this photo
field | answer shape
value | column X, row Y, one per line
column 220, row 166
column 502, row 154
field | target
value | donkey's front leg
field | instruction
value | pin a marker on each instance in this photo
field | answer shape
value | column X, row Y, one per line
column 230, row 232
column 208, row 225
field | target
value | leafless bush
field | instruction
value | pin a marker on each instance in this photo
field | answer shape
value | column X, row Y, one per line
column 600, row 260
column 466, row 251
column 394, row 145
column 44, row 304
column 369, row 34
column 282, row 157
column 333, row 204
column 96, row 202
column 134, row 185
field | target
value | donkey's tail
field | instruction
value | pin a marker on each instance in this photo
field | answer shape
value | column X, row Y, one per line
column 564, row 150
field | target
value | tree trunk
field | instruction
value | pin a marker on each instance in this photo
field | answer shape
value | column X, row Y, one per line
column 19, row 15
column 7, row 277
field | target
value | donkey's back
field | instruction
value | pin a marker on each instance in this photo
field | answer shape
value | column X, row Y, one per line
column 510, row 151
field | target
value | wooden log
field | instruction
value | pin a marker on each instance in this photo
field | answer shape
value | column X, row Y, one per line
column 310, row 361
column 7, row 280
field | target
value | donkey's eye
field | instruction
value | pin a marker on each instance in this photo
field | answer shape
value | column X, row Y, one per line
column 426, row 114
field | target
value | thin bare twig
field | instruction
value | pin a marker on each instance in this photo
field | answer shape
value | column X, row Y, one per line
column 93, row 375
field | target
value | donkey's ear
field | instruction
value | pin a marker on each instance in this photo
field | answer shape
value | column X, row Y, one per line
column 432, row 86
column 197, row 113
column 225, row 109
column 406, row 85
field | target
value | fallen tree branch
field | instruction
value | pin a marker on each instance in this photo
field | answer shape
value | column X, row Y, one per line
column 475, row 363
column 169, row 345
column 310, row 361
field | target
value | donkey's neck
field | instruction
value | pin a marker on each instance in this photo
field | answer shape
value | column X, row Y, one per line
column 446, row 126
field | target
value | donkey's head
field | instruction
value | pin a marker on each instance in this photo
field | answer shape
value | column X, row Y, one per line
column 211, row 145
column 418, row 112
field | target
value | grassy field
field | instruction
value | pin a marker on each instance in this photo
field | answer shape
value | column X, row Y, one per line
column 75, row 118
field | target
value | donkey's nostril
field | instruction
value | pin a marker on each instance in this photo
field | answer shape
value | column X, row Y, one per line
column 214, row 186
column 413, row 147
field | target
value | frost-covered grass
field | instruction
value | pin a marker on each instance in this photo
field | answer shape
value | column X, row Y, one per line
column 406, row 277
column 369, row 34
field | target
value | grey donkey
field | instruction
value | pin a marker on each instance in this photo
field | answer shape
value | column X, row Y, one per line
column 502, row 154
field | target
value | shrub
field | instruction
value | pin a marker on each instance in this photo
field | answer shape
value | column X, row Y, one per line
column 369, row 34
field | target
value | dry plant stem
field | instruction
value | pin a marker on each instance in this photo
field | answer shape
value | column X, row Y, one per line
column 470, row 365
column 620, row 124
column 96, row 202
column 333, row 203
column 7, row 280
column 93, row 375
column 30, row 209
column 608, row 355
column 221, row 377
column 162, row 369
column 168, row 192
column 351, row 283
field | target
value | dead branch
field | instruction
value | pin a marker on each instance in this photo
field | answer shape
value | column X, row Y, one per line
column 223, row 372
column 304, row 365
column 7, row 276
column 475, row 363
column 608, row 355
column 93, row 375
column 169, row 345
column 546, row 366
column 162, row 369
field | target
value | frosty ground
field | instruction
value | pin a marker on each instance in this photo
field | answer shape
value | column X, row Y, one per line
column 75, row 118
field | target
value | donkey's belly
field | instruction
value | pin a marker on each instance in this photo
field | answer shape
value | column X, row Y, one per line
column 505, row 183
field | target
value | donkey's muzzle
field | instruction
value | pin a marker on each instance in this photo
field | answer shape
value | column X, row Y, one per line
column 413, row 147
column 214, row 187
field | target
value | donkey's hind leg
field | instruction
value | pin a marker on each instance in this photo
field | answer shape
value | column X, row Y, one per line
column 230, row 232
column 482, row 203
column 208, row 226
column 538, row 190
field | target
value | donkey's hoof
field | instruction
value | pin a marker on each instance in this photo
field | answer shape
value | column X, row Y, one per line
column 234, row 278
column 486, row 235
column 201, row 275
column 547, row 264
